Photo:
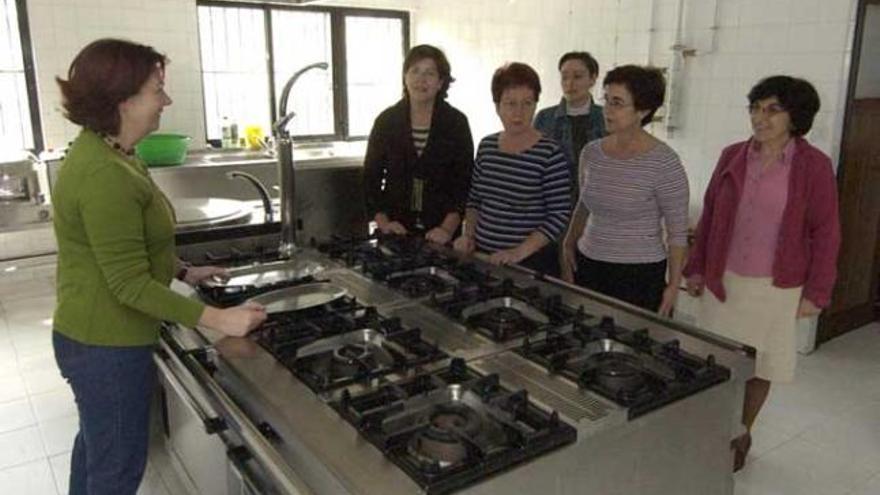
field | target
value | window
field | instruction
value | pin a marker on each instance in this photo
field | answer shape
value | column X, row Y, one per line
column 249, row 53
column 373, row 82
column 19, row 119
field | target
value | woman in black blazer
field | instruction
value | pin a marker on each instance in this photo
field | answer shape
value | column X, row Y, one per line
column 420, row 154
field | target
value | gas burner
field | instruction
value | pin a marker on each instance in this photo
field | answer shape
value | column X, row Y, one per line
column 502, row 311
column 504, row 318
column 422, row 281
column 422, row 285
column 284, row 333
column 443, row 443
column 356, row 359
column 361, row 356
column 619, row 373
column 453, row 427
column 627, row 367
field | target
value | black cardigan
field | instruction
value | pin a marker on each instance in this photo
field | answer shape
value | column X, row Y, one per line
column 445, row 165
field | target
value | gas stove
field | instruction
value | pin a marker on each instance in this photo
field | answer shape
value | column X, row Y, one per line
column 502, row 310
column 453, row 427
column 343, row 343
column 627, row 367
column 406, row 264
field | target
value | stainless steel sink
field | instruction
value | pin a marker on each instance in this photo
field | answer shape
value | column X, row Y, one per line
column 237, row 157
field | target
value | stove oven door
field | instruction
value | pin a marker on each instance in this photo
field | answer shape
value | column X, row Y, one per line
column 191, row 434
column 210, row 445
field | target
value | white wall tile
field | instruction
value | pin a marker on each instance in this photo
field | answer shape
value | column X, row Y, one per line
column 74, row 24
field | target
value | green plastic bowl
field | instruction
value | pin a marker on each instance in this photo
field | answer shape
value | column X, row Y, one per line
column 163, row 150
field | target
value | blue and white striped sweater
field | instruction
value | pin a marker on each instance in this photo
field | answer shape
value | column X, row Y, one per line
column 519, row 193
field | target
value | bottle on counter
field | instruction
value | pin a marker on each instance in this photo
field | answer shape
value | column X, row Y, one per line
column 225, row 132
column 233, row 135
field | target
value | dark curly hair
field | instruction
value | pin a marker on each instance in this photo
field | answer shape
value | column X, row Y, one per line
column 512, row 75
column 421, row 52
column 797, row 96
column 646, row 85
column 104, row 74
column 585, row 57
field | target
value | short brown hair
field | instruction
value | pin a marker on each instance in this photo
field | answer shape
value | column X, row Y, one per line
column 512, row 75
column 646, row 85
column 105, row 73
column 422, row 52
column 797, row 96
column 589, row 62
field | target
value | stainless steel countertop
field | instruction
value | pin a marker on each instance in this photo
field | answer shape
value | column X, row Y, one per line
column 329, row 454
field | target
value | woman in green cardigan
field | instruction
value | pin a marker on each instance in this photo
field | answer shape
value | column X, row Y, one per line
column 116, row 259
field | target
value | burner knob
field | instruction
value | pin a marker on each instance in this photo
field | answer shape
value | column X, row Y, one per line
column 458, row 366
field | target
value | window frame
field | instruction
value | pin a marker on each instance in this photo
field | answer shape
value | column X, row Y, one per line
column 337, row 44
column 30, row 78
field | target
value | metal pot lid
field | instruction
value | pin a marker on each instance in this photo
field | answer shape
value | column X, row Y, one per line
column 299, row 297
column 202, row 211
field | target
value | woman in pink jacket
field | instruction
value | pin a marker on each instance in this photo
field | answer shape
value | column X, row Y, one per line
column 767, row 242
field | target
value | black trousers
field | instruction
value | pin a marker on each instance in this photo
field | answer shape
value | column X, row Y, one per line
column 545, row 261
column 641, row 284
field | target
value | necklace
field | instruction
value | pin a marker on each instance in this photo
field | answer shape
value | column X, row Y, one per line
column 113, row 143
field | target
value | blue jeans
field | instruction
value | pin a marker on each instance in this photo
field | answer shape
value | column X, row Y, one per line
column 113, row 387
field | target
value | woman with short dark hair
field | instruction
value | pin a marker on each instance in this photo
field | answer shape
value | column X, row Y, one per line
column 767, row 242
column 116, row 258
column 519, row 198
column 420, row 154
column 631, row 183
column 577, row 119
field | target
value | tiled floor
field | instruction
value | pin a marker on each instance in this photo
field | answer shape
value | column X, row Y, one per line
column 817, row 436
column 38, row 418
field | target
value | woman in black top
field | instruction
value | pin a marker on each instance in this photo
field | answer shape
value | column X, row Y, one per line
column 420, row 154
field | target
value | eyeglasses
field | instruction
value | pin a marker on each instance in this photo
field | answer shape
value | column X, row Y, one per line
column 768, row 110
column 615, row 103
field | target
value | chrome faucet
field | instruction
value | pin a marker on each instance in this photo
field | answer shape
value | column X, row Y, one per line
column 261, row 190
column 286, row 172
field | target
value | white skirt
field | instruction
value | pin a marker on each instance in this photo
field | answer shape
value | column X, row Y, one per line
column 759, row 315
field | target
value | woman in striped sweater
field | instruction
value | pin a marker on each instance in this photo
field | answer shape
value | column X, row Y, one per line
column 630, row 182
column 520, row 193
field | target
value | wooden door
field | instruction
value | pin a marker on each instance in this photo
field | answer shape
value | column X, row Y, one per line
column 856, row 293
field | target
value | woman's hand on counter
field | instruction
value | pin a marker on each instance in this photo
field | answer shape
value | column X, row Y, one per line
column 667, row 303
column 388, row 226
column 236, row 321
column 695, row 285
column 464, row 244
column 510, row 256
column 198, row 274
column 438, row 235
